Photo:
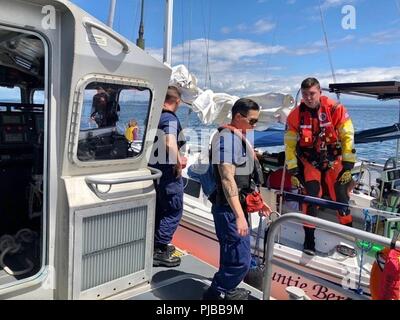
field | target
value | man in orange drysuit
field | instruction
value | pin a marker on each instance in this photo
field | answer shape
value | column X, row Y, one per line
column 320, row 134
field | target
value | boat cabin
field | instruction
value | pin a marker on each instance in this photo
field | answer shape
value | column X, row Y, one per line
column 76, row 196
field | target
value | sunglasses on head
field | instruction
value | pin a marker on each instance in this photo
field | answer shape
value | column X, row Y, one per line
column 251, row 122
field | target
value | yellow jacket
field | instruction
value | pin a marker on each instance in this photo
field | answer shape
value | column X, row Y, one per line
column 131, row 133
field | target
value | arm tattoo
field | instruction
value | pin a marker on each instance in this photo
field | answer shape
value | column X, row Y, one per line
column 227, row 173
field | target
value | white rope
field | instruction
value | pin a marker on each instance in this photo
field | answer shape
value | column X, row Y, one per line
column 12, row 245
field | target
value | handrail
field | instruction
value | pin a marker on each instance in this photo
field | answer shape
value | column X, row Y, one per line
column 334, row 205
column 345, row 230
column 110, row 33
column 156, row 174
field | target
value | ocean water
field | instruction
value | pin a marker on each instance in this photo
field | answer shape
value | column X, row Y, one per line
column 363, row 116
column 373, row 116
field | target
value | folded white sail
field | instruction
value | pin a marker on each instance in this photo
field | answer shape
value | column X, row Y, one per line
column 214, row 108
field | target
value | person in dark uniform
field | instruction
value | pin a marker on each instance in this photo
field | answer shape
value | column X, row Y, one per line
column 238, row 177
column 169, row 203
column 113, row 108
column 99, row 107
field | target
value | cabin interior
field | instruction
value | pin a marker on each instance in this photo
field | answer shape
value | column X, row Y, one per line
column 22, row 83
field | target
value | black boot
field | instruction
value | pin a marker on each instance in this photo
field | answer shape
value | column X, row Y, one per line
column 237, row 294
column 309, row 241
column 211, row 294
column 171, row 248
column 162, row 257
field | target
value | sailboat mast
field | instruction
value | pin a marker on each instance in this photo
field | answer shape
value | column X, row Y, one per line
column 167, row 58
column 140, row 40
column 111, row 13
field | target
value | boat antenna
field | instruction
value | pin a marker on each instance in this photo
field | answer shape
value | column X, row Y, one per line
column 140, row 40
column 273, row 42
column 327, row 47
column 111, row 13
column 167, row 56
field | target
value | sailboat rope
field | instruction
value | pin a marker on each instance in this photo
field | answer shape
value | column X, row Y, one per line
column 364, row 249
column 327, row 47
column 207, row 77
column 397, row 4
column 189, row 37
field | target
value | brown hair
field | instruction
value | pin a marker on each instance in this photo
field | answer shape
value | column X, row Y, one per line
column 310, row 82
column 132, row 123
column 172, row 94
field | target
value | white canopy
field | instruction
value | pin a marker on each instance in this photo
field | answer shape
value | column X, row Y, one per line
column 214, row 108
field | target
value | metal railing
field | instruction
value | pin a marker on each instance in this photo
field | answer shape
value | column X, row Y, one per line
column 299, row 217
column 94, row 182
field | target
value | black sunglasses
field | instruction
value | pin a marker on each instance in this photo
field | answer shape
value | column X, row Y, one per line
column 251, row 122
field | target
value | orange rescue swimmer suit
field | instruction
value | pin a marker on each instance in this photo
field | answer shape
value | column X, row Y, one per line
column 321, row 142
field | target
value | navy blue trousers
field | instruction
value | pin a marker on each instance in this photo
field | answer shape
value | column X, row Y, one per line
column 235, row 255
column 169, row 209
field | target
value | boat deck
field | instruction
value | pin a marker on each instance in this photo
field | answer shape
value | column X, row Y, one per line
column 187, row 282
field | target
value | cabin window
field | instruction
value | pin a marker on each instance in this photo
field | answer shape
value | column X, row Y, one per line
column 113, row 121
column 38, row 97
column 8, row 95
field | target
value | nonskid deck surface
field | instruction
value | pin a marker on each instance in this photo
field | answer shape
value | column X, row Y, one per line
column 186, row 282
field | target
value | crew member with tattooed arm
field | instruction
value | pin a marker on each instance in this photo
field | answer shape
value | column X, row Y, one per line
column 238, row 177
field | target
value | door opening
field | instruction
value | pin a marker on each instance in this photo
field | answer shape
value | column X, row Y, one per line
column 22, row 149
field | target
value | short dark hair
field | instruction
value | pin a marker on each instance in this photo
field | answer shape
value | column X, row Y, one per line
column 310, row 82
column 243, row 106
column 172, row 94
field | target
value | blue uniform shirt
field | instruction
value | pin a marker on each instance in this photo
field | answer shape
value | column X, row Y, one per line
column 169, row 124
column 231, row 149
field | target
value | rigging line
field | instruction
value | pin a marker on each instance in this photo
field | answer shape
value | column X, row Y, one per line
column 190, row 34
column 327, row 44
column 327, row 47
column 207, row 43
column 183, row 33
column 273, row 42
column 397, row 4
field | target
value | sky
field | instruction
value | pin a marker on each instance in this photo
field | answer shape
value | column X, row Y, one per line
column 252, row 46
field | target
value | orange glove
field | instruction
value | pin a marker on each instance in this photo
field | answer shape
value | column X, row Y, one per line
column 183, row 162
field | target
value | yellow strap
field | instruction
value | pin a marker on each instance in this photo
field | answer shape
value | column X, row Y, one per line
column 291, row 138
column 346, row 134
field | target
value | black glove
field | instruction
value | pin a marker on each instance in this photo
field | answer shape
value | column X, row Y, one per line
column 294, row 171
column 347, row 165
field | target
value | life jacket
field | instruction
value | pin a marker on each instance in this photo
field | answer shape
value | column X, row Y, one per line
column 247, row 184
column 318, row 138
column 130, row 133
column 385, row 274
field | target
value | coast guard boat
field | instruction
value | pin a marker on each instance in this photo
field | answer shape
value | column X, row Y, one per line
column 77, row 203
